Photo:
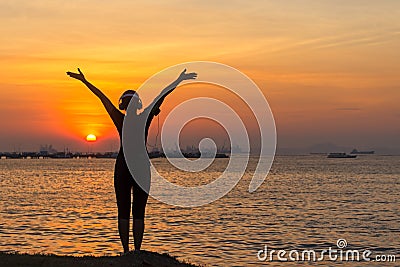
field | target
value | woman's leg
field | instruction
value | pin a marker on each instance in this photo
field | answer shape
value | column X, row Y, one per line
column 138, row 230
column 138, row 211
column 123, row 229
column 123, row 195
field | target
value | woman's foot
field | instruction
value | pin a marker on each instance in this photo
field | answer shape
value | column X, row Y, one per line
column 124, row 253
column 137, row 252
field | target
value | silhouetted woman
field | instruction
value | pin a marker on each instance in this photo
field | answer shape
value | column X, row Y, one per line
column 123, row 180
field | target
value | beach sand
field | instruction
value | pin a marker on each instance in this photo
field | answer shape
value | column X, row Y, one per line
column 144, row 258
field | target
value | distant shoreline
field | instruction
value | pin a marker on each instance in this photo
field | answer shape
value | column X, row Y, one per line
column 2, row 157
column 107, row 155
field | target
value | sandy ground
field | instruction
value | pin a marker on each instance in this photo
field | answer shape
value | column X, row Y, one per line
column 144, row 258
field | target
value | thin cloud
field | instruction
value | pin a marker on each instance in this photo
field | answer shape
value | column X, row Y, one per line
column 348, row 109
column 359, row 40
column 340, row 40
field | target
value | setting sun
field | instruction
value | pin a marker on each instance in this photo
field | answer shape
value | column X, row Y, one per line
column 91, row 138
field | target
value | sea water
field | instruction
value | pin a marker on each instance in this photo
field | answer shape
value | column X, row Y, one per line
column 68, row 207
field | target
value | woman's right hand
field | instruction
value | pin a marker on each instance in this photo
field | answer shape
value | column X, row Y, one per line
column 187, row 76
column 78, row 76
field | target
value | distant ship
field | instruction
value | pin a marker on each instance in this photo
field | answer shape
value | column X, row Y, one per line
column 340, row 155
column 355, row 151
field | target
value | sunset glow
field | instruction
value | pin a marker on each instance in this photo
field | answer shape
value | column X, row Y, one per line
column 324, row 66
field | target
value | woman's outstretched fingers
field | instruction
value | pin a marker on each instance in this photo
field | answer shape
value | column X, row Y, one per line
column 192, row 75
column 188, row 76
column 70, row 74
column 78, row 76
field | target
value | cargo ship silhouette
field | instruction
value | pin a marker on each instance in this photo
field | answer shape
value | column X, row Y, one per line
column 356, row 152
column 340, row 155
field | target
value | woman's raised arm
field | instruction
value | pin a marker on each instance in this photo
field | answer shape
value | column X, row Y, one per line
column 111, row 109
column 155, row 105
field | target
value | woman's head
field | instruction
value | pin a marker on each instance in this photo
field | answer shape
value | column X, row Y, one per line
column 128, row 96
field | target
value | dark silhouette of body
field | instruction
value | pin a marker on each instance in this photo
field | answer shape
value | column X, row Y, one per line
column 123, row 180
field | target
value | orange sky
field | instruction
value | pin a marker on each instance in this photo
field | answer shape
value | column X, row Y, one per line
column 329, row 69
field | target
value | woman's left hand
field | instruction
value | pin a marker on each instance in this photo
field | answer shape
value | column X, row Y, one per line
column 78, row 76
